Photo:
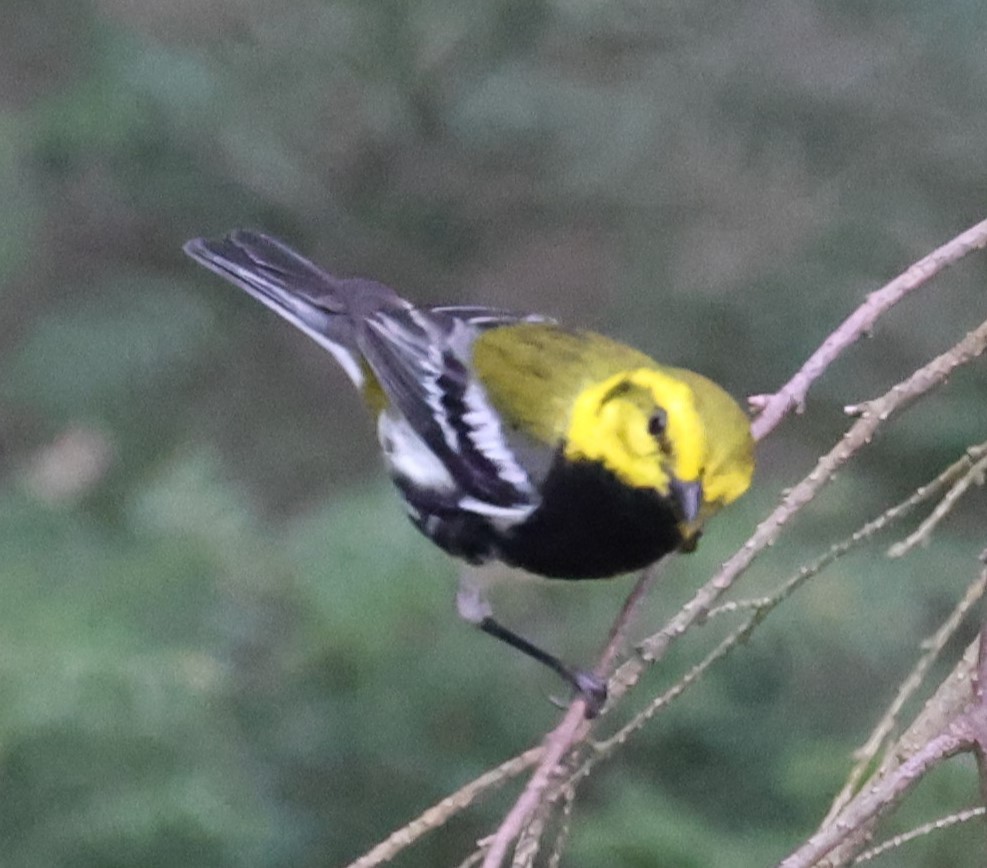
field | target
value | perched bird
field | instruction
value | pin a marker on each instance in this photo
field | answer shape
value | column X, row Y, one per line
column 510, row 437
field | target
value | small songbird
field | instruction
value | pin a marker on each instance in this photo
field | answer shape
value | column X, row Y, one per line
column 510, row 437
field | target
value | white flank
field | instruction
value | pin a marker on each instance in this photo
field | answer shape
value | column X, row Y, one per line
column 408, row 456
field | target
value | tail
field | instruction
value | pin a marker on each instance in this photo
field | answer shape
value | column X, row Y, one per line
column 312, row 300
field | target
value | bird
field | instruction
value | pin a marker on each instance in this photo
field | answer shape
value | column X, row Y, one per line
column 510, row 437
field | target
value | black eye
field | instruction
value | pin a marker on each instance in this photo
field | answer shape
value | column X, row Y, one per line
column 657, row 423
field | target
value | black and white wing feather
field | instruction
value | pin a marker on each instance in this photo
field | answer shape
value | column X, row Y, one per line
column 445, row 436
column 421, row 358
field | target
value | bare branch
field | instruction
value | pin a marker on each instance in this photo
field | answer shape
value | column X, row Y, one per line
column 947, row 711
column 974, row 476
column 919, row 832
column 565, row 826
column 573, row 728
column 761, row 608
column 567, row 733
column 978, row 715
column 878, row 798
column 865, row 755
column 440, row 812
column 773, row 408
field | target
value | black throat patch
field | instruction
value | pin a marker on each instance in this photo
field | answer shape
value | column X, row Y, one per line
column 590, row 525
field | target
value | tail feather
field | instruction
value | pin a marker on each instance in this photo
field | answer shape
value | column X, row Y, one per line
column 297, row 290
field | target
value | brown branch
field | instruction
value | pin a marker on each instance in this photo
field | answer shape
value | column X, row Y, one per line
column 975, row 476
column 979, row 719
column 760, row 609
column 920, row 831
column 954, row 715
column 870, row 804
column 932, row 646
column 773, row 408
column 440, row 812
column 573, row 728
column 604, row 750
column 633, row 602
column 942, row 729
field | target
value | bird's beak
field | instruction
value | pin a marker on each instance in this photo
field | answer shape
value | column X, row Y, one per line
column 688, row 497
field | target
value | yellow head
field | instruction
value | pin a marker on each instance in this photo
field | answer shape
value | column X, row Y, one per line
column 647, row 428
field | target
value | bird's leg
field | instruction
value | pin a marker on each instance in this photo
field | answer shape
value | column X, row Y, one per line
column 586, row 684
column 473, row 606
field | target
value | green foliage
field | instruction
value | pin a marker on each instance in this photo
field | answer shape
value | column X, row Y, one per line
column 64, row 371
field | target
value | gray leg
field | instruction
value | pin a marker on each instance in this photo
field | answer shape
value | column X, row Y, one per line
column 474, row 607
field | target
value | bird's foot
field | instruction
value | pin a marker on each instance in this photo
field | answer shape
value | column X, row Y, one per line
column 592, row 689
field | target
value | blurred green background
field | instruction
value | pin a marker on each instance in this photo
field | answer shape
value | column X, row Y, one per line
column 221, row 643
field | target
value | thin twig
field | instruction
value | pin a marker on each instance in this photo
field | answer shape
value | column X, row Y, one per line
column 571, row 730
column 602, row 750
column 978, row 714
column 974, row 476
column 920, row 831
column 472, row 860
column 565, row 826
column 763, row 607
column 865, row 755
column 773, row 408
column 949, row 710
column 880, row 796
column 529, row 841
column 642, row 587
column 440, row 812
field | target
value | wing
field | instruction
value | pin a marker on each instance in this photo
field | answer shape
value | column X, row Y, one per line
column 421, row 358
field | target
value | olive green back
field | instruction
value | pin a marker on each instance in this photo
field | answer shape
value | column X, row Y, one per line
column 533, row 372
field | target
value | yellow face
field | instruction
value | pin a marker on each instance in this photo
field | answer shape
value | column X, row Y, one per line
column 643, row 425
column 664, row 428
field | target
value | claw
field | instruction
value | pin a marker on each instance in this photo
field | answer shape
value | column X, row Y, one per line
column 593, row 691
column 591, row 688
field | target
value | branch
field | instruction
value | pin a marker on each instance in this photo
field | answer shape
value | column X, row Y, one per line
column 975, row 476
column 878, row 797
column 761, row 608
column 573, row 728
column 920, row 831
column 953, row 720
column 932, row 646
column 440, row 812
column 978, row 715
column 873, row 415
column 773, row 408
